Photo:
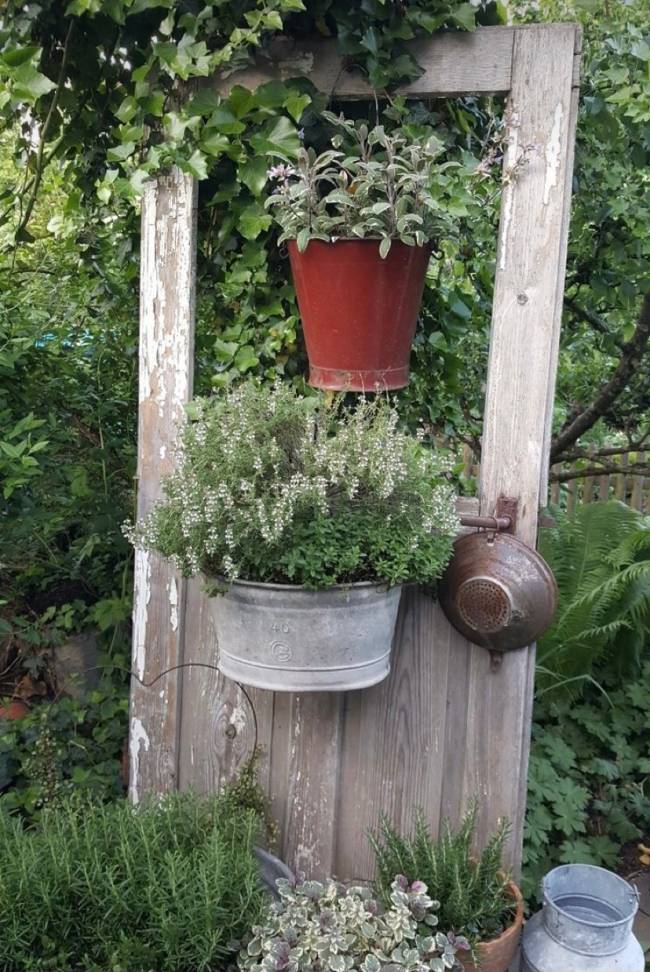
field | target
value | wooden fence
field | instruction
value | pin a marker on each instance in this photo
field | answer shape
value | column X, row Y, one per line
column 631, row 488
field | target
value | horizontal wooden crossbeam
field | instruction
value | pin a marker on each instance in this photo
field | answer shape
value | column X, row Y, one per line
column 454, row 64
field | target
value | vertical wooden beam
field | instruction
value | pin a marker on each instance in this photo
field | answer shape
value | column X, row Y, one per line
column 520, row 387
column 167, row 284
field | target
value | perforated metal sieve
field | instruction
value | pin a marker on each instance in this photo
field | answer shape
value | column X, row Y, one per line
column 497, row 591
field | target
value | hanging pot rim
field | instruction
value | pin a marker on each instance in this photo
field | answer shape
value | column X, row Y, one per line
column 381, row 585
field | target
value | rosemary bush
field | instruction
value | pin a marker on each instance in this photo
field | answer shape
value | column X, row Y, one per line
column 110, row 888
column 370, row 185
column 472, row 887
column 324, row 926
column 274, row 486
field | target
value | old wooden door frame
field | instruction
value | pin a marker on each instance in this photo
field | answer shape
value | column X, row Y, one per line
column 537, row 67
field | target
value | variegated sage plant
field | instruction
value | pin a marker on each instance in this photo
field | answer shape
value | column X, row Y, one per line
column 369, row 185
column 328, row 928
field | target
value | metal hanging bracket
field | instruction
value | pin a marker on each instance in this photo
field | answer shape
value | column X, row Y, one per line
column 503, row 521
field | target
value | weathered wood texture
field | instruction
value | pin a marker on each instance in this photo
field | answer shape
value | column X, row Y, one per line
column 524, row 342
column 167, row 276
column 445, row 724
column 453, row 63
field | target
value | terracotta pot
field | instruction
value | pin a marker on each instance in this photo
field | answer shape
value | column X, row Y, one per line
column 496, row 955
column 14, row 709
column 358, row 311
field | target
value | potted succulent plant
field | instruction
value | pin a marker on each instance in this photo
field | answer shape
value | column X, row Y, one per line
column 478, row 900
column 361, row 220
column 326, row 926
column 307, row 516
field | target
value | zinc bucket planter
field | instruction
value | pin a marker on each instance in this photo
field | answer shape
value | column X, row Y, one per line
column 497, row 954
column 358, row 311
column 289, row 639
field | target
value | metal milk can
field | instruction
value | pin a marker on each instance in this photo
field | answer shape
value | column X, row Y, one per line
column 585, row 924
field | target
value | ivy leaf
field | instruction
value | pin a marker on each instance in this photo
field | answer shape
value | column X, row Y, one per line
column 120, row 152
column 296, row 104
column 273, row 94
column 19, row 55
column 241, row 100
column 225, row 121
column 253, row 174
column 204, row 103
column 252, row 221
column 465, row 16
column 371, row 40
column 281, row 139
column 245, row 359
column 196, row 165
column 30, row 85
column 214, row 143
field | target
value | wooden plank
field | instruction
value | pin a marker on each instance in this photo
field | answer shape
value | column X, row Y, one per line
column 637, row 488
column 520, row 385
column 555, row 488
column 603, row 488
column 325, row 776
column 620, row 486
column 167, row 278
column 454, row 63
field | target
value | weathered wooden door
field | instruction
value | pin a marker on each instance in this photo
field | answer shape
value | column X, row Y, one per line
column 446, row 724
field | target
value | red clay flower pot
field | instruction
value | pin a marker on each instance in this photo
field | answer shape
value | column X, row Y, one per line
column 358, row 311
column 13, row 710
column 496, row 955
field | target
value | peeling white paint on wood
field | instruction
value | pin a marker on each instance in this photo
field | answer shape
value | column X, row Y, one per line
column 173, row 604
column 138, row 738
column 141, row 598
column 553, row 153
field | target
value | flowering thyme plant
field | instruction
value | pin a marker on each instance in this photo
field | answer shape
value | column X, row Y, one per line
column 326, row 927
column 370, row 185
column 274, row 486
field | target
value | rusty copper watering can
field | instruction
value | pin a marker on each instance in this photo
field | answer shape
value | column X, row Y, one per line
column 497, row 591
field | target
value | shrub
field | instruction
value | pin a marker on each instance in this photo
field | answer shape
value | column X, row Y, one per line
column 316, row 926
column 165, row 887
column 472, row 887
column 273, row 486
column 589, row 777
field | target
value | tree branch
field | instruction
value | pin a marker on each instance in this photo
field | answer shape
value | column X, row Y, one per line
column 592, row 319
column 631, row 356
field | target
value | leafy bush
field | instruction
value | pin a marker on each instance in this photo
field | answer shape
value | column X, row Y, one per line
column 472, row 887
column 601, row 559
column 371, row 185
column 168, row 886
column 588, row 781
column 316, row 926
column 63, row 747
column 273, row 486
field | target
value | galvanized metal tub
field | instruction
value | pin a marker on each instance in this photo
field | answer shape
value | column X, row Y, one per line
column 585, row 924
column 288, row 639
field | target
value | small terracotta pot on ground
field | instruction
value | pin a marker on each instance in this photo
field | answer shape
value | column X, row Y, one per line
column 13, row 710
column 496, row 955
column 358, row 311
